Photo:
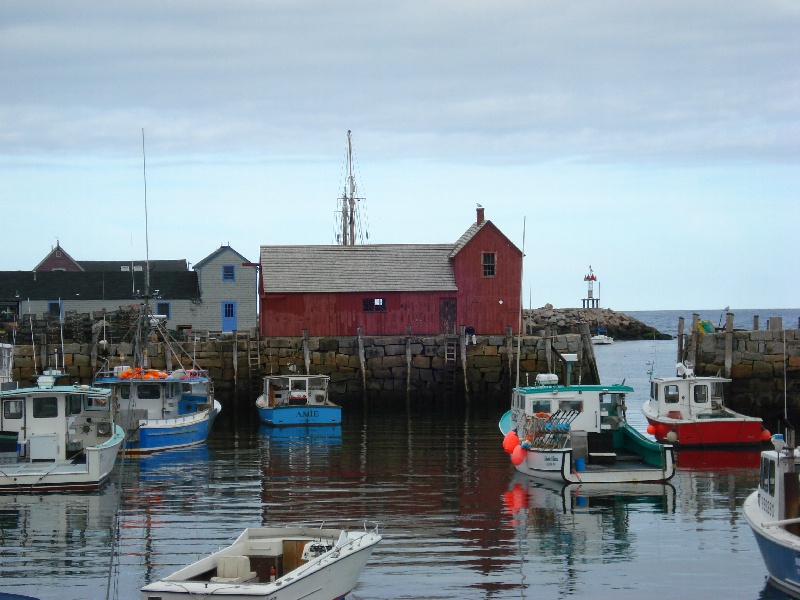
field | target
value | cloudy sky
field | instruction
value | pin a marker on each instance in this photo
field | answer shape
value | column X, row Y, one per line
column 657, row 142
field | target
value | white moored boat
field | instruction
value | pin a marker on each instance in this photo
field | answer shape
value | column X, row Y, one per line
column 276, row 563
column 579, row 434
column 56, row 437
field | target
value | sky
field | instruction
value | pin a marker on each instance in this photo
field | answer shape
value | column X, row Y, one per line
column 658, row 142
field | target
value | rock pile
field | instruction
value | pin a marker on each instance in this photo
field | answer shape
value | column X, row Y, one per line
column 565, row 320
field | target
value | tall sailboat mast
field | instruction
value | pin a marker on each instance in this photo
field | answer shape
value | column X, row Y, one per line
column 349, row 199
column 346, row 230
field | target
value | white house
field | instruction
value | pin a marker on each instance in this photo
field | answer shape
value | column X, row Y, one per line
column 229, row 291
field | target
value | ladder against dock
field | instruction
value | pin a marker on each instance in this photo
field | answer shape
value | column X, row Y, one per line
column 254, row 361
column 450, row 365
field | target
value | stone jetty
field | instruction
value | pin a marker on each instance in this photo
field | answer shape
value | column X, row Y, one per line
column 567, row 320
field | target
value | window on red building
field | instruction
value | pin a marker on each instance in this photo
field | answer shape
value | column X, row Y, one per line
column 487, row 259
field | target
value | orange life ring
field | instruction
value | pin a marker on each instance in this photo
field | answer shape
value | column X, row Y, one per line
column 542, row 415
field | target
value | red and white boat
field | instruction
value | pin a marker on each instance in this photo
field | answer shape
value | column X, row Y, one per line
column 687, row 410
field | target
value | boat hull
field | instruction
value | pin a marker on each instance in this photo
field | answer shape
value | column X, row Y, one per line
column 63, row 476
column 158, row 435
column 327, row 577
column 556, row 465
column 282, row 416
column 708, row 432
column 779, row 548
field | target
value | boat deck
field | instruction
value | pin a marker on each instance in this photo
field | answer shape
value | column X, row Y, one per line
column 42, row 468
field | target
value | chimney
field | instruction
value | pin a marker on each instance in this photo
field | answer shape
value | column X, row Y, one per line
column 480, row 215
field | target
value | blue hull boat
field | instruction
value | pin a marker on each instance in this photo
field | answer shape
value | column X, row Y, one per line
column 301, row 415
column 290, row 400
column 773, row 513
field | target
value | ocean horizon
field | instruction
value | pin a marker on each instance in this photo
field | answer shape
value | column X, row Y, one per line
column 666, row 321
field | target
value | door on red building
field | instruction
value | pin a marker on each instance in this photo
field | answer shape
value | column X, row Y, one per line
column 447, row 315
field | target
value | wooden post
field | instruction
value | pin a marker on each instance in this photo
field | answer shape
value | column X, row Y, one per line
column 588, row 349
column 168, row 359
column 235, row 358
column 408, row 361
column 755, row 322
column 728, row 343
column 463, row 344
column 510, row 350
column 680, row 339
column 362, row 361
column 306, row 353
column 693, row 345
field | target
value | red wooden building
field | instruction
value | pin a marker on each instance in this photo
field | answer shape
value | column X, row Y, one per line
column 383, row 288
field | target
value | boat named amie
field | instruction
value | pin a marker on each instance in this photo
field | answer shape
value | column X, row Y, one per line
column 579, row 434
column 297, row 400
column 276, row 563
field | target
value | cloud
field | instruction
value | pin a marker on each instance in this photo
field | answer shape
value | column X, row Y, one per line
column 611, row 81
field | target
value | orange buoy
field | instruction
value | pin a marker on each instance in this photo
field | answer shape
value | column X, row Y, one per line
column 651, row 429
column 765, row 435
column 518, row 455
column 510, row 441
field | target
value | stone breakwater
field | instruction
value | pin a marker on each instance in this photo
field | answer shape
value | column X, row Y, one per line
column 386, row 366
column 764, row 366
column 567, row 320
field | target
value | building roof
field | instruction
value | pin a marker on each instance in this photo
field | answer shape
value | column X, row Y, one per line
column 110, row 266
column 466, row 237
column 217, row 252
column 96, row 285
column 369, row 268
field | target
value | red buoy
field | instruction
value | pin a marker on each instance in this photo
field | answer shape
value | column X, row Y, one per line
column 651, row 429
column 518, row 455
column 765, row 435
column 510, row 441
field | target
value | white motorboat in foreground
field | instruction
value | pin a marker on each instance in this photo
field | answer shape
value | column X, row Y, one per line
column 275, row 563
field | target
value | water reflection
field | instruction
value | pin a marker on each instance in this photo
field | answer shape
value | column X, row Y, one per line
column 55, row 533
column 458, row 521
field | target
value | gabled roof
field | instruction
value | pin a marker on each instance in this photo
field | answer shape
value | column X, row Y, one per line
column 466, row 237
column 470, row 233
column 216, row 253
column 96, row 285
column 63, row 258
column 370, row 268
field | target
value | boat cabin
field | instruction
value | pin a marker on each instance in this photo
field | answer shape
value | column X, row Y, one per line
column 591, row 408
column 687, row 396
column 53, row 423
column 296, row 390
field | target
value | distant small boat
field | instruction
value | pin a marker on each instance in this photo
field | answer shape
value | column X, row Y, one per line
column 57, row 437
column 687, row 410
column 579, row 434
column 773, row 515
column 275, row 563
column 297, row 400
column 601, row 339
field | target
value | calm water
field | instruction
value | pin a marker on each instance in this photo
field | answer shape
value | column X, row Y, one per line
column 457, row 522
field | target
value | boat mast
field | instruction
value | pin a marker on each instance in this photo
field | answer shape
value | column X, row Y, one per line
column 347, row 234
column 349, row 199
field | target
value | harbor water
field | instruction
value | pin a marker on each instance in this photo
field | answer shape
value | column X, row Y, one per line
column 456, row 519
